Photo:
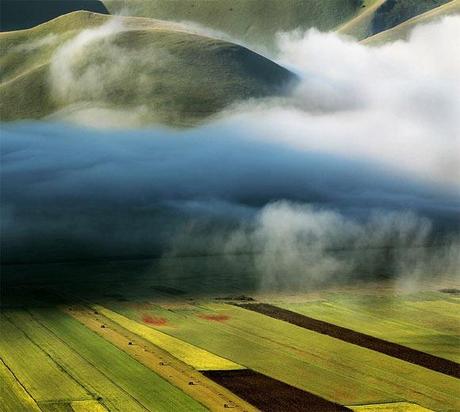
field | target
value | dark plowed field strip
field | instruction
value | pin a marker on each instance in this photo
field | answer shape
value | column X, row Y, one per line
column 366, row 341
column 268, row 394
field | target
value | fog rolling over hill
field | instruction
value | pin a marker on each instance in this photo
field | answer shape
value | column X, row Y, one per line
column 130, row 71
column 84, row 63
column 351, row 140
column 351, row 153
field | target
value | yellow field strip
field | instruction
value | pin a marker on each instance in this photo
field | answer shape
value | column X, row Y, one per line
column 87, row 406
column 13, row 397
column 74, row 406
column 390, row 407
column 194, row 356
column 43, row 379
column 82, row 371
column 181, row 375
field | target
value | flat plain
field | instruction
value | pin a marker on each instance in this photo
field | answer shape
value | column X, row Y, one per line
column 173, row 350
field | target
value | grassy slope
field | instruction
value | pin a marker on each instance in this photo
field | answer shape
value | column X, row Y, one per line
column 23, row 14
column 255, row 21
column 386, row 14
column 349, row 374
column 401, row 32
column 360, row 26
column 175, row 76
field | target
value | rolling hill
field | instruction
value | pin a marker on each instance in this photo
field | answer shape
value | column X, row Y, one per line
column 97, row 68
column 24, row 14
column 383, row 15
column 402, row 31
column 255, row 22
column 154, row 71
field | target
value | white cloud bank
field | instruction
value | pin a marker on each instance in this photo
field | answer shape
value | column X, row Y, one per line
column 364, row 155
column 396, row 105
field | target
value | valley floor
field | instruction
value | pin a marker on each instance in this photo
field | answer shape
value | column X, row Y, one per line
column 371, row 347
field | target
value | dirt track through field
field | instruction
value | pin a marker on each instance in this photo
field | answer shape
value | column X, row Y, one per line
column 395, row 350
column 268, row 394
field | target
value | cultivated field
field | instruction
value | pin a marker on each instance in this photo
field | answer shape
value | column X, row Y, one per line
column 174, row 351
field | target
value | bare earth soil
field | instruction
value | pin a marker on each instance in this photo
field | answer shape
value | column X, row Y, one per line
column 268, row 394
column 388, row 348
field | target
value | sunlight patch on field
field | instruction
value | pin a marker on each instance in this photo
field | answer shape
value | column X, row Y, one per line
column 390, row 407
column 38, row 373
column 13, row 396
column 87, row 406
column 192, row 355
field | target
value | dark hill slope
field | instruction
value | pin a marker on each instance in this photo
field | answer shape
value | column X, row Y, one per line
column 386, row 14
column 402, row 31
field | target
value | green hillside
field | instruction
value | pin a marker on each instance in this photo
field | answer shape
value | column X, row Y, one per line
column 402, row 31
column 24, row 14
column 254, row 21
column 155, row 69
column 386, row 14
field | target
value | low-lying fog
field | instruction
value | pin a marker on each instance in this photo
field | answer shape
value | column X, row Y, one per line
column 364, row 155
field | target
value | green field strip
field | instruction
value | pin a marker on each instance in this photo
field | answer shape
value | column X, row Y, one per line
column 390, row 349
column 440, row 308
column 298, row 357
column 148, row 388
column 390, row 407
column 399, row 378
column 398, row 331
column 194, row 356
column 264, row 356
column 412, row 324
column 75, row 406
column 207, row 392
column 43, row 379
column 88, row 406
column 13, row 396
column 96, row 383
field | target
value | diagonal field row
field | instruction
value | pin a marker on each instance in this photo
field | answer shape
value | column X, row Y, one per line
column 366, row 341
column 426, row 322
column 349, row 375
column 71, row 363
column 13, row 396
column 197, row 355
column 259, row 390
column 160, row 361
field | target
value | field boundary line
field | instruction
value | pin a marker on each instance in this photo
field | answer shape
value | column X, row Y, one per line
column 2, row 361
column 159, row 361
column 394, row 350
column 88, row 386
